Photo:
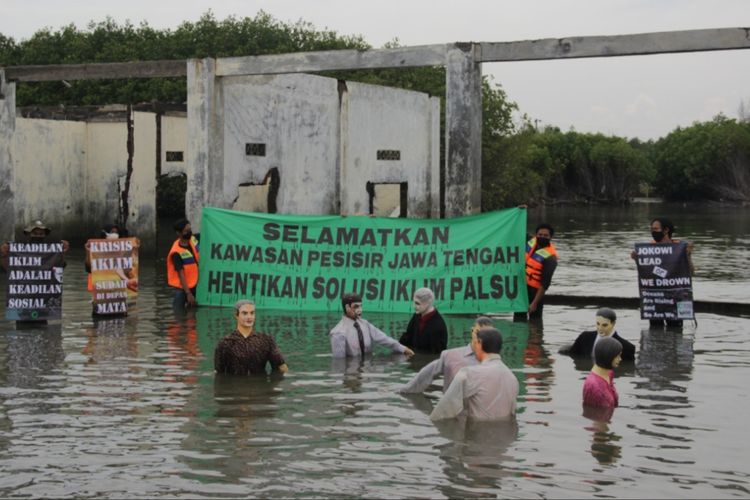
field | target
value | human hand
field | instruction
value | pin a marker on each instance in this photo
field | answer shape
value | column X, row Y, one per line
column 66, row 245
column 408, row 353
column 191, row 299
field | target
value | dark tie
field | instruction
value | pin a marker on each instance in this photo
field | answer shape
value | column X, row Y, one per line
column 361, row 339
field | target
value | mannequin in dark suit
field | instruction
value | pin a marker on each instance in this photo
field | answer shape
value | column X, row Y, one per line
column 605, row 327
column 426, row 332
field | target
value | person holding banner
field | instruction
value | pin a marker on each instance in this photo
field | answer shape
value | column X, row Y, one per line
column 662, row 231
column 487, row 391
column 245, row 351
column 182, row 265
column 541, row 262
column 354, row 336
column 448, row 364
column 426, row 331
column 585, row 344
column 112, row 267
column 36, row 232
column 35, row 275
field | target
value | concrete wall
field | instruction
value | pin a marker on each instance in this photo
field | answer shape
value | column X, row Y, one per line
column 321, row 134
column 71, row 174
column 7, row 129
column 49, row 164
column 375, row 118
column 141, row 188
column 173, row 138
column 107, row 163
column 296, row 117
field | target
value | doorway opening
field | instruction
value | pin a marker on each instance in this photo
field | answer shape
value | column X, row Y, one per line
column 388, row 199
column 261, row 197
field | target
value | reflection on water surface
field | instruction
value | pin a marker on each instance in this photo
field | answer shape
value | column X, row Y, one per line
column 131, row 407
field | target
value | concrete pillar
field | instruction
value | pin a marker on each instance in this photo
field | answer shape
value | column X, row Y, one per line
column 7, row 129
column 434, row 167
column 205, row 161
column 463, row 130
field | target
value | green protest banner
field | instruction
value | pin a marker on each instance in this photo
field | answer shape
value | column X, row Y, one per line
column 473, row 264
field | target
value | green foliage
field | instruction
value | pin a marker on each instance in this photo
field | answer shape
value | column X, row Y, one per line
column 535, row 167
column 709, row 160
column 108, row 41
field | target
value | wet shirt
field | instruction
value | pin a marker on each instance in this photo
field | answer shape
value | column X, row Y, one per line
column 598, row 392
column 238, row 355
column 345, row 339
column 449, row 363
column 487, row 391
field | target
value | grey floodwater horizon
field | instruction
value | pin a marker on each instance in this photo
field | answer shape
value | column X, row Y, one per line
column 131, row 407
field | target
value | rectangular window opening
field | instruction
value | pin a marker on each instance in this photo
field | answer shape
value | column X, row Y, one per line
column 389, row 154
column 175, row 156
column 255, row 149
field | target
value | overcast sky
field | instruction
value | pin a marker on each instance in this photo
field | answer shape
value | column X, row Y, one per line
column 644, row 96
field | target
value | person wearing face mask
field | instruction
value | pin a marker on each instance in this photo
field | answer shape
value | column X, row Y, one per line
column 662, row 231
column 36, row 232
column 541, row 262
column 586, row 342
column 426, row 331
column 182, row 265
column 354, row 336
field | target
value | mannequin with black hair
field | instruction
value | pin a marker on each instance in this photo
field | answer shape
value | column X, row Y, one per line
column 583, row 346
column 599, row 389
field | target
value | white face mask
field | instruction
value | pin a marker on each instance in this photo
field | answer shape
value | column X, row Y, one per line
column 111, row 236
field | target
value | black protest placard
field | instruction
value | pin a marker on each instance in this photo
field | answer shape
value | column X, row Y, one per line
column 665, row 283
column 35, row 277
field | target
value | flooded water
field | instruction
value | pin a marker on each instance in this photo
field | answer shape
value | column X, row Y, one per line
column 131, row 407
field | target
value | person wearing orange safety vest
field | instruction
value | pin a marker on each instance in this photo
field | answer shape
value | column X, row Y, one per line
column 541, row 262
column 182, row 265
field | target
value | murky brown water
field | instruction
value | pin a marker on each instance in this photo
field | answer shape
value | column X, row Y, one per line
column 131, row 407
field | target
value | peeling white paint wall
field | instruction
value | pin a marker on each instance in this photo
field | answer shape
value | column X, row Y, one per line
column 141, row 219
column 71, row 174
column 173, row 138
column 380, row 118
column 49, row 163
column 107, row 158
column 296, row 118
column 321, row 134
column 7, row 129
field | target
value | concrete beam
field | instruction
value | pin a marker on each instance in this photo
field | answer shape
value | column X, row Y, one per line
column 618, row 45
column 330, row 60
column 97, row 71
column 463, row 131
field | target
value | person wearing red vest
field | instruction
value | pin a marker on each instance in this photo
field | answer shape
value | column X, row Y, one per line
column 541, row 262
column 182, row 265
